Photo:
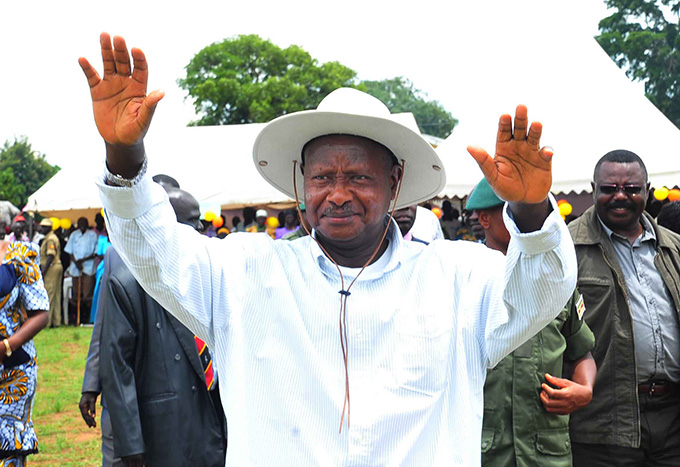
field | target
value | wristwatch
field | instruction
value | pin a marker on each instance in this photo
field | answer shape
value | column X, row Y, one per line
column 8, row 349
column 119, row 180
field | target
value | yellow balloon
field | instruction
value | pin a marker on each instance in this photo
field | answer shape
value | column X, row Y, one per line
column 661, row 193
column 273, row 222
column 210, row 216
column 55, row 223
column 65, row 223
column 565, row 209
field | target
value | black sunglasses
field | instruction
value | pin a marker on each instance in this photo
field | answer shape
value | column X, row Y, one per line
column 627, row 189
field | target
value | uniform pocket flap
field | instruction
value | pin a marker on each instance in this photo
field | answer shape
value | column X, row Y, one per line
column 487, row 439
column 553, row 442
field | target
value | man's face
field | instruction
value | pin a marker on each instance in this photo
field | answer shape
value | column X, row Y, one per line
column 290, row 219
column 45, row 229
column 405, row 218
column 260, row 221
column 82, row 224
column 620, row 210
column 349, row 182
column 18, row 228
column 475, row 226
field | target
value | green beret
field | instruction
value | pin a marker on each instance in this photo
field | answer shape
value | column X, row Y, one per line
column 483, row 197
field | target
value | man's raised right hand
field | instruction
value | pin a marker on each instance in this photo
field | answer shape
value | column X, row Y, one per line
column 122, row 109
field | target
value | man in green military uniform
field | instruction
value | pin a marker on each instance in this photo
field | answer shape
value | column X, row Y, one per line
column 526, row 401
column 52, row 271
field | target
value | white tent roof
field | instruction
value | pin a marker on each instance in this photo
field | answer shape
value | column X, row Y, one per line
column 587, row 106
column 213, row 163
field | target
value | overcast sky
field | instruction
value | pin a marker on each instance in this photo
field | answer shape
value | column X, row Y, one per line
column 453, row 50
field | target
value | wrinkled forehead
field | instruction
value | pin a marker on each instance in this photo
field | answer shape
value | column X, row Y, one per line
column 621, row 173
column 349, row 142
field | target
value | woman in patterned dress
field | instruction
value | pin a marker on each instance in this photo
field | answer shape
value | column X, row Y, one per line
column 23, row 313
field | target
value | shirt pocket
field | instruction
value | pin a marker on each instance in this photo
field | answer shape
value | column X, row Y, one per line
column 422, row 352
column 598, row 295
column 553, row 443
column 488, row 436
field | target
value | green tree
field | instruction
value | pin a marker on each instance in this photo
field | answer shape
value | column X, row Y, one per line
column 641, row 36
column 400, row 95
column 247, row 79
column 22, row 171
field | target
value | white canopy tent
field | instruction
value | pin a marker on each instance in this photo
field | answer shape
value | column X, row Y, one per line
column 587, row 106
column 214, row 163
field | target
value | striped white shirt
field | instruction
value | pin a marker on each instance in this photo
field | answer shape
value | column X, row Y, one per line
column 422, row 331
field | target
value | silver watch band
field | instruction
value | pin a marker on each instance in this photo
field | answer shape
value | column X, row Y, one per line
column 118, row 180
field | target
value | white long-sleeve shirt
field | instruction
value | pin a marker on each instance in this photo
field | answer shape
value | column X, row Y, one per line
column 424, row 324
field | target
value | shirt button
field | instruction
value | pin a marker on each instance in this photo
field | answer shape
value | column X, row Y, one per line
column 193, row 388
column 177, row 357
column 485, row 444
column 158, row 325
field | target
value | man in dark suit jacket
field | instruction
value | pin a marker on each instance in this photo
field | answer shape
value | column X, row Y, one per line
column 161, row 410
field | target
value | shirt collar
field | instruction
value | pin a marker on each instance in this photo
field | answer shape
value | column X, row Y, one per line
column 647, row 231
column 395, row 239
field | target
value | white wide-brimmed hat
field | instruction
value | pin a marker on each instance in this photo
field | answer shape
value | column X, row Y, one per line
column 351, row 112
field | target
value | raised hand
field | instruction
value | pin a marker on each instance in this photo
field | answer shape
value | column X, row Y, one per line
column 520, row 172
column 122, row 109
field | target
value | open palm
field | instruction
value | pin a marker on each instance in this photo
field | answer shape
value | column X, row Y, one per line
column 122, row 110
column 520, row 171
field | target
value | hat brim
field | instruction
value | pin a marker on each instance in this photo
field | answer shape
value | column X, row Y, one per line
column 280, row 143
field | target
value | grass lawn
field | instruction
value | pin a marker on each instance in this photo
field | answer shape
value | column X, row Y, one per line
column 64, row 438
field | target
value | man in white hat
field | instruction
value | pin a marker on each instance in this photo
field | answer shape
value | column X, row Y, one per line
column 417, row 325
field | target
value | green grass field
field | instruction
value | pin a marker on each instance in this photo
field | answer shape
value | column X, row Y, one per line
column 64, row 438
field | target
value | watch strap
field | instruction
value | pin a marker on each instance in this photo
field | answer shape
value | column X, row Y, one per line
column 119, row 180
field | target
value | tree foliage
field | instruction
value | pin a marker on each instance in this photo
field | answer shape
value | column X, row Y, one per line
column 247, row 79
column 22, row 171
column 641, row 36
column 400, row 95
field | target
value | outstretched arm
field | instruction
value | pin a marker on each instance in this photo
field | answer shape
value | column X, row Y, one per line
column 122, row 109
column 540, row 272
column 520, row 172
column 123, row 113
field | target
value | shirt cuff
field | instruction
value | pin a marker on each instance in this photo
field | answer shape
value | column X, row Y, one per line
column 579, row 344
column 540, row 241
column 128, row 203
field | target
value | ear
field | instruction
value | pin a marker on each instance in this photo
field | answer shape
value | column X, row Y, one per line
column 484, row 219
column 592, row 186
column 395, row 176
